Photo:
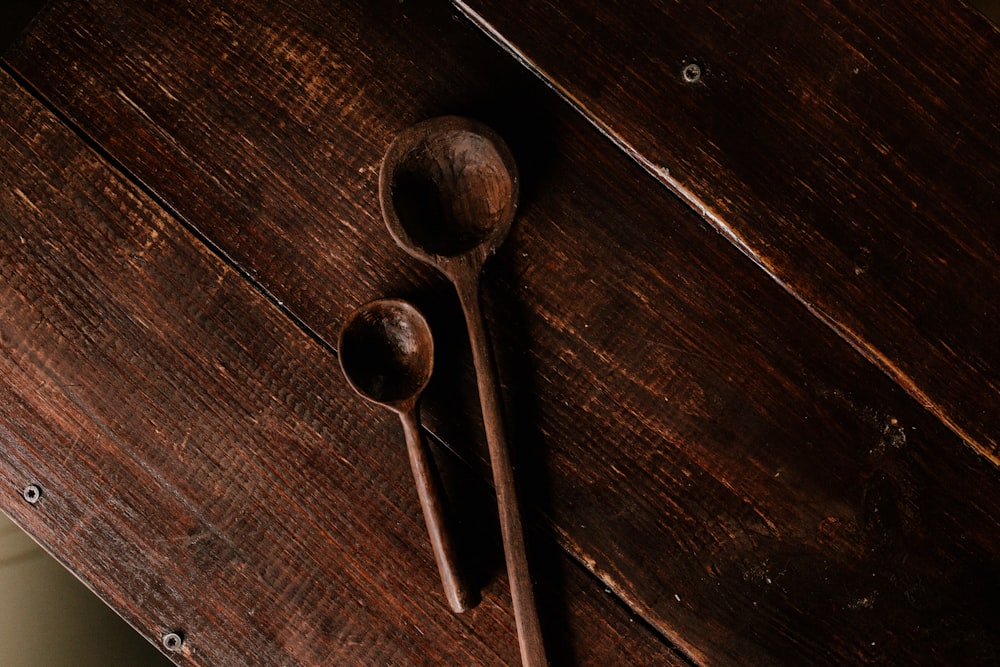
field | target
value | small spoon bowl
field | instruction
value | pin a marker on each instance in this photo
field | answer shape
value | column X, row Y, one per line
column 387, row 352
column 449, row 187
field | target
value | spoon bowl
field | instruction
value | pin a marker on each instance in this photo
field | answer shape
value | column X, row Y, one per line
column 387, row 352
column 448, row 187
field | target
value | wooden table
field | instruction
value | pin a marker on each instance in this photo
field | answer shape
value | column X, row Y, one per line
column 745, row 324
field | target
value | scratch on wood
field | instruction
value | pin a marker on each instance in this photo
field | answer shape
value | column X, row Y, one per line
column 121, row 93
column 165, row 90
column 27, row 201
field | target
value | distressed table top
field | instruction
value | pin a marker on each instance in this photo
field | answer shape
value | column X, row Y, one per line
column 732, row 449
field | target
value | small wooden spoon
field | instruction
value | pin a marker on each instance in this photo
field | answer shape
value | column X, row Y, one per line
column 387, row 354
column 448, row 189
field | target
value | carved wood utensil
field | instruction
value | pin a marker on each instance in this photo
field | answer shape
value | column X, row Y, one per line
column 448, row 189
column 387, row 354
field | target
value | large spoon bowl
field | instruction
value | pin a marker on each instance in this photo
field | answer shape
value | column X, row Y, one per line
column 449, row 189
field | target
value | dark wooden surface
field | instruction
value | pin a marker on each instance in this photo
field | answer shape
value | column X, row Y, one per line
column 717, row 457
column 203, row 465
column 852, row 153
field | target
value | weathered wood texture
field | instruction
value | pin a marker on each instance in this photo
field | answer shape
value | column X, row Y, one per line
column 203, row 465
column 723, row 462
column 852, row 152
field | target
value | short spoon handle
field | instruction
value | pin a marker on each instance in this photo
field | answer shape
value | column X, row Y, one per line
column 529, row 631
column 431, row 493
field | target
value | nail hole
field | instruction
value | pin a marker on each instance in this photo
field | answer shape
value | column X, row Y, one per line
column 32, row 493
column 691, row 73
column 172, row 641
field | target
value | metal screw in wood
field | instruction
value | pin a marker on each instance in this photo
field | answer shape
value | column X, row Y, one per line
column 691, row 73
column 173, row 641
column 32, row 493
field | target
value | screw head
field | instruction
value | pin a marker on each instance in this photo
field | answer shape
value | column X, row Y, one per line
column 32, row 493
column 172, row 641
column 691, row 73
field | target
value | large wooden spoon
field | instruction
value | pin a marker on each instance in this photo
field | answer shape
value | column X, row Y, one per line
column 387, row 354
column 448, row 189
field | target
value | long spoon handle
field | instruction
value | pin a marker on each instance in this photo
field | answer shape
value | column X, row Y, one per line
column 529, row 631
column 431, row 492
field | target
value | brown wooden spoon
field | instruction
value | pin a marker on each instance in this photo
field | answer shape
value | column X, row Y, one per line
column 387, row 354
column 448, row 189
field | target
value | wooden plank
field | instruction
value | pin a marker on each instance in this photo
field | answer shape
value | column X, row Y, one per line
column 202, row 464
column 853, row 154
column 728, row 466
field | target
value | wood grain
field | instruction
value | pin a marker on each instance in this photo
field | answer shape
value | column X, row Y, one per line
column 724, row 463
column 203, row 465
column 853, row 154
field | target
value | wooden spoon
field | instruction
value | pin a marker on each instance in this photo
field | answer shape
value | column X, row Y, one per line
column 387, row 354
column 448, row 189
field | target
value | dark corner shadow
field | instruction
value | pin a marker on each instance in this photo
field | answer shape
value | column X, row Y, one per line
column 15, row 17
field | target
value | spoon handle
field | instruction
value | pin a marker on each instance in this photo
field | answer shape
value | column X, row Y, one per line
column 529, row 631
column 431, row 493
